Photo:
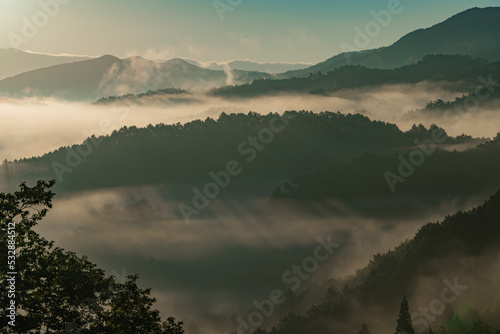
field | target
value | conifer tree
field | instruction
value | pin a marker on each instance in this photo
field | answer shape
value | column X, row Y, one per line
column 404, row 321
column 364, row 329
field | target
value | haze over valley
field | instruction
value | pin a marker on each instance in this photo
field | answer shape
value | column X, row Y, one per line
column 255, row 177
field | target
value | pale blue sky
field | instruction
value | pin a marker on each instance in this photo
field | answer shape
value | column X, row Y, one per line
column 262, row 30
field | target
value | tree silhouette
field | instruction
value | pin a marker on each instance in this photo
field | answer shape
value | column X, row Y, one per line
column 58, row 291
column 173, row 327
column 479, row 327
column 404, row 321
column 364, row 329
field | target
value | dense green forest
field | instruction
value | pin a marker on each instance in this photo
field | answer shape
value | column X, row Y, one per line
column 439, row 107
column 433, row 174
column 187, row 152
column 171, row 95
column 134, row 155
column 327, row 154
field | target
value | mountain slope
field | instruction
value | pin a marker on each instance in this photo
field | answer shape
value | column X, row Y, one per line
column 462, row 71
column 474, row 32
column 395, row 177
column 73, row 81
column 447, row 254
column 137, row 75
column 146, row 155
column 16, row 61
column 108, row 75
column 249, row 65
column 181, row 156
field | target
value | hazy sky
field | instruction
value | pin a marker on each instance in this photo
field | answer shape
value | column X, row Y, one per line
column 262, row 30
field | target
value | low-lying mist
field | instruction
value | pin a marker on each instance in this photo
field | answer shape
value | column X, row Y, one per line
column 32, row 127
column 218, row 265
column 222, row 263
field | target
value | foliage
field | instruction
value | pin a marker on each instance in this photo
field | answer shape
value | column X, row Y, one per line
column 184, row 153
column 404, row 320
column 58, row 291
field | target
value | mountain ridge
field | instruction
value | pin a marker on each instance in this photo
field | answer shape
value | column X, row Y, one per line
column 19, row 61
column 108, row 75
column 471, row 32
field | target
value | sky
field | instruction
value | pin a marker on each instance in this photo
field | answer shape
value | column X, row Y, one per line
column 262, row 30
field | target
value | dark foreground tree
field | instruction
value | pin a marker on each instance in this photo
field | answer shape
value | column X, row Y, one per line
column 364, row 329
column 173, row 327
column 405, row 325
column 57, row 291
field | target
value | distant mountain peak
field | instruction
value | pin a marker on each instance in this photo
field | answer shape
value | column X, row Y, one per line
column 108, row 57
column 473, row 32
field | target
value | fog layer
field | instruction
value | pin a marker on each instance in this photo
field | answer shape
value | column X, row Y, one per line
column 33, row 127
